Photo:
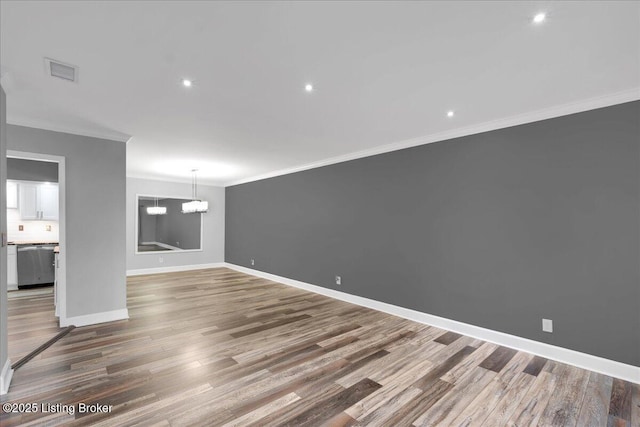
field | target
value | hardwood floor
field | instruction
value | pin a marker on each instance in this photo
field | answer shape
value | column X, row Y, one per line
column 218, row 347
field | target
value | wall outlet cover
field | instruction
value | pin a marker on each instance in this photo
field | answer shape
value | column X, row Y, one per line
column 253, row 261
column 21, row 228
column 547, row 325
column 338, row 280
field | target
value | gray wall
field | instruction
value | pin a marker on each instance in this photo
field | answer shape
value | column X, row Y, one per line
column 213, row 225
column 498, row 229
column 95, row 219
column 3, row 229
column 32, row 170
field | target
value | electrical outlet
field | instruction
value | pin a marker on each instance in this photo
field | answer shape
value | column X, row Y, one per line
column 48, row 228
column 161, row 260
column 338, row 280
column 547, row 325
column 253, row 261
column 21, row 228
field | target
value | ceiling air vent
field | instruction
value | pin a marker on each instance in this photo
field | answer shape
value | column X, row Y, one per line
column 61, row 70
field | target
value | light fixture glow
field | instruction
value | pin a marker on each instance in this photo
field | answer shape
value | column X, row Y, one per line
column 195, row 205
column 187, row 82
column 450, row 113
column 156, row 210
column 539, row 18
column 181, row 168
column 308, row 87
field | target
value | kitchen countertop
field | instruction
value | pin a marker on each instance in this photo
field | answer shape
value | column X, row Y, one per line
column 31, row 242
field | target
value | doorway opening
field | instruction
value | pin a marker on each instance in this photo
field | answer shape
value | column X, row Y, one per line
column 36, row 228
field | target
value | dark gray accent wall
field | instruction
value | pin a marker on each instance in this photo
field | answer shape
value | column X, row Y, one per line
column 95, row 178
column 32, row 170
column 498, row 229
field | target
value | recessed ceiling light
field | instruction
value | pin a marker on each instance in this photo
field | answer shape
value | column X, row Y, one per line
column 450, row 113
column 187, row 83
column 308, row 87
column 539, row 18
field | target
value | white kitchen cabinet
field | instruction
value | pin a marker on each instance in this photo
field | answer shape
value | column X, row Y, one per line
column 48, row 199
column 12, row 267
column 38, row 201
column 12, row 195
column 29, row 201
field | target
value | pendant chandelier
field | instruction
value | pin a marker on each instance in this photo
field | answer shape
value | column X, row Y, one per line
column 195, row 205
column 156, row 210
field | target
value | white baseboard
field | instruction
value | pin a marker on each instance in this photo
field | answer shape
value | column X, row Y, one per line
column 5, row 377
column 92, row 319
column 12, row 287
column 582, row 360
column 173, row 269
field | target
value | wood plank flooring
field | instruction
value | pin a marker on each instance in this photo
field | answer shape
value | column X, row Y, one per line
column 218, row 347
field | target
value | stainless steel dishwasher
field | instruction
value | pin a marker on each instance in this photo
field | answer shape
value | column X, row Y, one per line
column 35, row 265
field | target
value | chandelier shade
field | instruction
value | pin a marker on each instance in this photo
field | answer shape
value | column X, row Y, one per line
column 195, row 205
column 156, row 210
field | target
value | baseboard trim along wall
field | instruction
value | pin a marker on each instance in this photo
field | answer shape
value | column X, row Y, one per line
column 92, row 319
column 5, row 377
column 173, row 269
column 582, row 360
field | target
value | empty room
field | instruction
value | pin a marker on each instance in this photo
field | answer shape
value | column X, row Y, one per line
column 320, row 213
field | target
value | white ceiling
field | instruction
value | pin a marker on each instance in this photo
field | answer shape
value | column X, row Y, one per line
column 384, row 72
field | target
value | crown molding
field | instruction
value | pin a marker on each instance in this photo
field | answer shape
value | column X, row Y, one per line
column 173, row 179
column 520, row 119
column 39, row 124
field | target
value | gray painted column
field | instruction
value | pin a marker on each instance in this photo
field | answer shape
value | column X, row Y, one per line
column 3, row 229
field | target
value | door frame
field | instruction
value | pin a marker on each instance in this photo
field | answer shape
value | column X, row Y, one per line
column 61, row 285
